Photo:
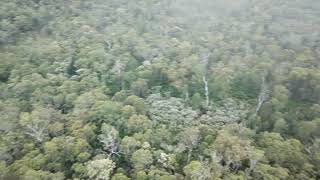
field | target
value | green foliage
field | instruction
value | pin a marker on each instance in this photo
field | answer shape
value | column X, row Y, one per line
column 140, row 88
column 61, row 150
column 42, row 175
column 138, row 123
column 265, row 171
column 141, row 159
column 308, row 130
column 234, row 148
column 287, row 153
column 119, row 176
column 170, row 111
column 137, row 103
column 109, row 89
column 304, row 84
column 196, row 170
column 196, row 101
column 100, row 169
column 246, row 86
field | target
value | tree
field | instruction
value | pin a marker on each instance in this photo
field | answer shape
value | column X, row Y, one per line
column 137, row 103
column 264, row 92
column 220, row 82
column 141, row 175
column 234, row 147
column 32, row 174
column 205, row 63
column 303, row 84
column 108, row 138
column 3, row 169
column 33, row 160
column 160, row 174
column 65, row 150
column 37, row 122
column 128, row 111
column 85, row 102
column 189, row 139
column 314, row 152
column 246, row 85
column 162, row 137
column 140, row 88
column 119, row 176
column 180, row 74
column 195, row 170
column 281, row 94
column 106, row 112
column 138, row 123
column 265, row 171
column 166, row 161
column 166, row 85
column 9, row 115
column 79, row 170
column 196, row 101
column 308, row 130
column 82, row 130
column 141, row 159
column 100, row 169
column 281, row 126
column 129, row 145
column 287, row 153
column 172, row 112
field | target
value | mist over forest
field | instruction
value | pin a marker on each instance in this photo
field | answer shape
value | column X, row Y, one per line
column 159, row 89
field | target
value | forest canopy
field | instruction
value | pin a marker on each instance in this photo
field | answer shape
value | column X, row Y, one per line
column 160, row 89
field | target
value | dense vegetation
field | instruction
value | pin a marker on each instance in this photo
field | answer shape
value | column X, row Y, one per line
column 160, row 90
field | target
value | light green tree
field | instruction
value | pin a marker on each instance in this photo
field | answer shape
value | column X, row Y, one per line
column 138, row 123
column 100, row 169
column 142, row 159
column 189, row 139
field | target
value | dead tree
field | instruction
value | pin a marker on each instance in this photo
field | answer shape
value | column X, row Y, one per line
column 264, row 93
column 205, row 61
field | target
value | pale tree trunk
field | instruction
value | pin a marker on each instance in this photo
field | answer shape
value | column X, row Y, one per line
column 36, row 131
column 189, row 155
column 186, row 91
column 264, row 93
column 187, row 95
column 247, row 173
column 206, row 89
column 119, row 68
column 205, row 61
column 249, row 170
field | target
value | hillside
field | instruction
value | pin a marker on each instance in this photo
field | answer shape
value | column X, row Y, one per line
column 160, row 90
